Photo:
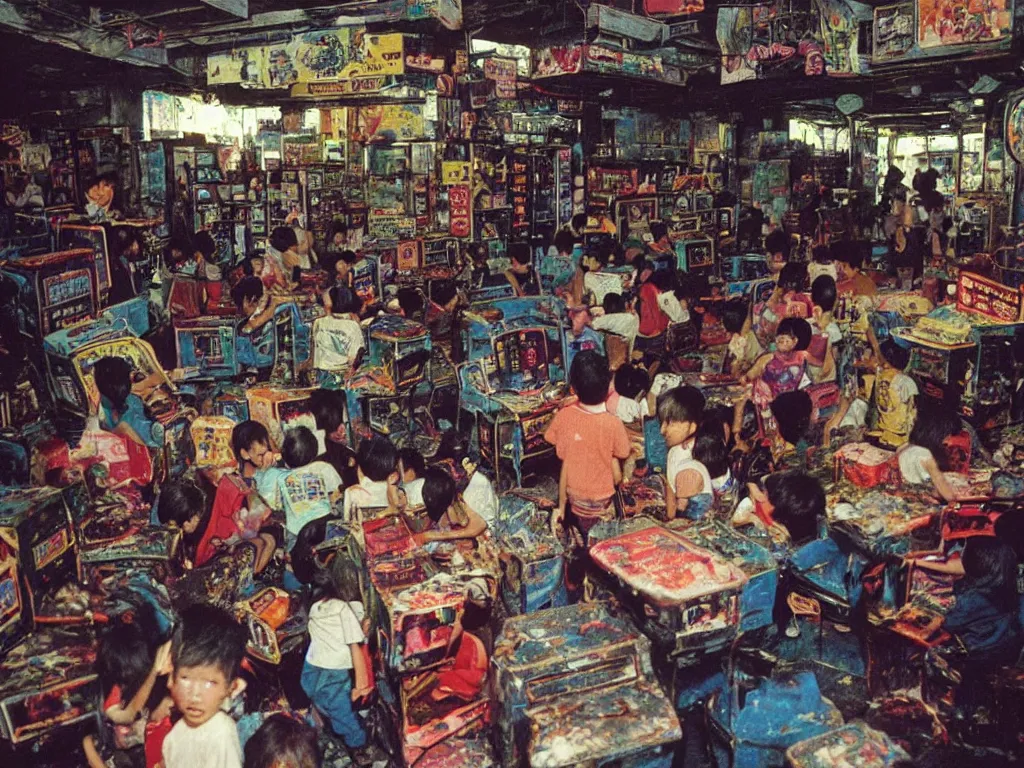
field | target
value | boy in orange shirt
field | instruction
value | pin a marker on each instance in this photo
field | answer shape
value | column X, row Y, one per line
column 591, row 442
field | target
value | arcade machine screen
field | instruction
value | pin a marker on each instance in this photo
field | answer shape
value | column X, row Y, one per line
column 521, row 357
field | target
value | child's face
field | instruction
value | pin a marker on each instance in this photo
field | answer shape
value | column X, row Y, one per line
column 198, row 692
column 259, row 455
column 190, row 525
column 257, row 266
column 249, row 306
column 342, row 268
column 677, row 432
column 785, row 343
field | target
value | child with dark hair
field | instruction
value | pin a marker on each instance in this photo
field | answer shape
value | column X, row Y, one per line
column 413, row 466
column 309, row 491
column 206, row 654
column 924, row 458
column 849, row 262
column 521, row 275
column 590, row 442
column 121, row 410
column 821, row 263
column 744, row 348
column 580, row 336
column 617, row 318
column 377, row 473
column 788, row 300
column 596, row 282
column 451, row 519
column 338, row 266
column 709, row 448
column 328, row 407
column 680, row 412
column 337, row 338
column 465, row 678
column 276, row 276
column 128, row 666
column 479, row 491
column 826, row 331
column 182, row 504
column 895, row 396
column 282, row 742
column 628, row 401
column 778, row 245
column 653, row 320
column 126, row 251
column 255, row 304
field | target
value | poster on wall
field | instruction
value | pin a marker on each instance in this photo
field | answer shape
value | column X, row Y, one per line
column 557, row 60
column 672, row 7
column 459, row 211
column 281, row 71
column 957, row 22
column 839, row 34
column 1014, row 128
column 735, row 33
column 243, row 66
column 322, row 54
column 893, row 32
column 388, row 123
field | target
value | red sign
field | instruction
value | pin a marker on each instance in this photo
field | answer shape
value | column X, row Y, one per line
column 458, row 211
column 989, row 298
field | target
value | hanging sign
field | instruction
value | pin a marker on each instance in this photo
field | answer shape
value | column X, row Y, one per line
column 454, row 172
column 989, row 298
column 503, row 73
column 1015, row 127
column 459, row 211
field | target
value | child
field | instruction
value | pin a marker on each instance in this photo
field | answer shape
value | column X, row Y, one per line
column 311, row 488
column 617, row 318
column 689, row 491
column 895, row 394
column 479, row 492
column 924, row 457
column 128, row 670
column 790, row 505
column 826, row 331
column 590, row 442
column 465, row 678
column 596, row 282
column 580, row 336
column 206, row 654
column 521, row 274
column 627, row 401
column 849, row 261
column 778, row 245
column 786, row 447
column 653, row 320
column 821, row 263
column 282, row 742
column 787, row 300
column 377, row 473
column 451, row 519
column 413, row 467
column 335, row 628
column 256, row 306
column 182, row 504
column 338, row 338
column 338, row 266
column 328, row 409
column 121, row 410
column 276, row 276
column 744, row 348
column 709, row 448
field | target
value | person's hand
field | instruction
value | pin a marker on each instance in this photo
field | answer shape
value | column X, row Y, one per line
column 162, row 662
column 558, row 522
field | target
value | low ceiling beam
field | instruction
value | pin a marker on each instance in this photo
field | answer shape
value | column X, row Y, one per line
column 239, row 8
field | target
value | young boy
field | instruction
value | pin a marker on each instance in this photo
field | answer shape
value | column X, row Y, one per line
column 778, row 245
column 206, row 653
column 590, row 442
column 338, row 339
column 521, row 274
column 895, row 394
column 413, row 467
column 596, row 282
column 744, row 348
column 121, row 410
column 311, row 488
column 377, row 470
column 680, row 412
column 617, row 318
column 826, row 330
column 256, row 306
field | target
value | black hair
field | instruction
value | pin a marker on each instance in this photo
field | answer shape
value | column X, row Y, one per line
column 663, row 280
column 709, row 447
column 454, row 445
column 603, row 251
column 299, row 447
column 443, row 291
column 124, row 658
column 793, row 276
column 208, row 635
column 589, row 377
column 328, row 408
column 798, row 328
column 249, row 287
column 282, row 741
column 180, row 501
column 122, row 238
column 338, row 580
column 377, row 458
column 303, row 558
column 823, row 292
column 283, row 238
column 412, row 459
column 337, row 226
column 578, row 222
column 330, row 260
column 680, row 404
column 519, row 253
column 799, row 502
column 778, row 241
column 113, row 377
column 179, row 245
column 792, row 412
column 613, row 303
column 109, row 176
column 203, row 242
column 658, row 231
column 247, row 434
column 849, row 253
column 564, row 241
column 410, row 300
column 990, row 566
column 438, row 492
column 821, row 254
column 895, row 355
column 631, row 382
column 343, row 300
column 931, row 428
column 248, row 268
column 734, row 315
column 475, row 617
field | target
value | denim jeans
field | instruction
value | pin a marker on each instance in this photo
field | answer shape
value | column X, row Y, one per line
column 330, row 690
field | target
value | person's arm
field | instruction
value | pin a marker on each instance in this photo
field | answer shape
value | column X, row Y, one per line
column 837, row 418
column 471, row 530
column 264, row 317
column 128, row 713
column 558, row 514
column 939, row 480
column 756, row 369
column 951, row 567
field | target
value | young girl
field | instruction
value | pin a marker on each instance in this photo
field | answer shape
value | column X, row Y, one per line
column 924, row 458
column 121, row 410
column 282, row 742
column 788, row 300
column 690, row 490
column 128, row 669
column 628, row 401
column 464, row 680
column 451, row 519
column 336, row 629
column 710, row 450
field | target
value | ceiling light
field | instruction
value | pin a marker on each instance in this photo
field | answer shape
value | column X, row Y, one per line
column 979, row 102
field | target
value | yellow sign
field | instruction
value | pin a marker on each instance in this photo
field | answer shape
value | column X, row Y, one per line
column 454, row 172
column 340, row 88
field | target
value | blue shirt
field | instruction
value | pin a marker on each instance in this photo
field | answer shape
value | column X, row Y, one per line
column 134, row 415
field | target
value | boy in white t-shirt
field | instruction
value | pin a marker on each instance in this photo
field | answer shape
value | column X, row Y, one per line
column 377, row 470
column 310, row 490
column 413, row 467
column 628, row 400
column 617, row 318
column 206, row 653
column 338, row 338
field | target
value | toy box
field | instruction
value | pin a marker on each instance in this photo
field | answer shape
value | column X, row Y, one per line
column 57, row 289
column 854, row 745
column 402, row 344
column 211, row 442
column 686, row 598
column 146, row 547
column 36, row 525
column 427, row 724
column 274, row 628
column 576, row 684
column 532, row 559
column 207, row 343
column 868, row 466
column 47, row 683
column 279, row 408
